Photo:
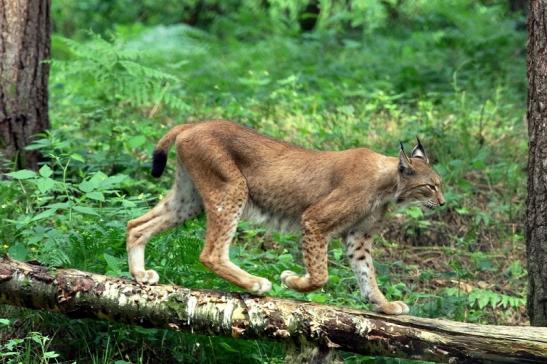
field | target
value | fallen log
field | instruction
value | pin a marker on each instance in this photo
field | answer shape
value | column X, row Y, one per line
column 87, row 295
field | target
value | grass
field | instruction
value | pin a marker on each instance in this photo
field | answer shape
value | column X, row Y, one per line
column 454, row 74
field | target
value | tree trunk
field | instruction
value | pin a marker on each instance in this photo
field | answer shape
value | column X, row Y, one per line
column 536, row 204
column 24, row 46
column 80, row 294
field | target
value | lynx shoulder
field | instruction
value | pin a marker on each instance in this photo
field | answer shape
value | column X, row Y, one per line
column 231, row 172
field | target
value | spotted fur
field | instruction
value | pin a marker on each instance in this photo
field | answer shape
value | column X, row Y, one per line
column 231, row 172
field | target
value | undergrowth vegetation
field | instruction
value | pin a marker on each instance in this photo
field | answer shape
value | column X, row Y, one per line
column 452, row 72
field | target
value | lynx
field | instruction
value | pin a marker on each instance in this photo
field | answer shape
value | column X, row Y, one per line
column 232, row 173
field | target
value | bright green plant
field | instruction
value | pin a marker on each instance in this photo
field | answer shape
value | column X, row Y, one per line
column 33, row 348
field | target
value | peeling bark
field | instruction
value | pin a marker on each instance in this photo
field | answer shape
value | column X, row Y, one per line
column 87, row 295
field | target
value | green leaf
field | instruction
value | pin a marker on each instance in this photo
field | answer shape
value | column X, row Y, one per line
column 97, row 179
column 136, row 141
column 95, row 195
column 50, row 355
column 113, row 264
column 462, row 210
column 285, row 258
column 22, row 174
column 77, row 157
column 513, row 301
column 44, row 214
column 45, row 171
column 337, row 253
column 37, row 339
column 128, row 204
column 59, row 205
column 93, row 183
column 13, row 343
column 86, row 186
column 318, row 297
column 414, row 212
column 86, row 210
column 113, row 181
column 494, row 299
column 4, row 322
column 18, row 252
column 44, row 184
column 334, row 279
column 504, row 301
column 483, row 300
column 473, row 296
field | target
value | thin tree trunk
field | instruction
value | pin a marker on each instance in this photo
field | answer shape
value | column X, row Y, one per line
column 24, row 46
column 536, row 204
column 80, row 294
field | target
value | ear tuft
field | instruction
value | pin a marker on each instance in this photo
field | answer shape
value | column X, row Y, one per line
column 419, row 151
column 405, row 164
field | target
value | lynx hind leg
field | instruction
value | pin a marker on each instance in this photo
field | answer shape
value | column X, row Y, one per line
column 180, row 204
column 224, row 207
column 359, row 248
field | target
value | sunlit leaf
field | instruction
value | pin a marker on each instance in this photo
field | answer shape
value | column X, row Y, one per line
column 95, row 195
column 18, row 252
column 22, row 174
column 85, row 210
column 45, row 171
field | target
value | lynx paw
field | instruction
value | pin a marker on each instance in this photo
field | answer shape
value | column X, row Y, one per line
column 147, row 277
column 392, row 308
column 261, row 286
column 286, row 275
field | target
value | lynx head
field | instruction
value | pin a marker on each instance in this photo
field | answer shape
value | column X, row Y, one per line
column 417, row 180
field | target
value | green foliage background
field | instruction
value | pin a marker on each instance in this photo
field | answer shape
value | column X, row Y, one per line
column 371, row 73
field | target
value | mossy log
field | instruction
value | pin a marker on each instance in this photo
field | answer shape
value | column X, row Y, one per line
column 87, row 295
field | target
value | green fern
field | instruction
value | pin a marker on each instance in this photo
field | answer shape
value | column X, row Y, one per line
column 482, row 298
column 106, row 70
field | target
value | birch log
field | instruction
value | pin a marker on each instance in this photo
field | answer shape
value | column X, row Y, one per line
column 87, row 295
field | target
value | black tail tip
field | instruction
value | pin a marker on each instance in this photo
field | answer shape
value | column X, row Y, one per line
column 159, row 160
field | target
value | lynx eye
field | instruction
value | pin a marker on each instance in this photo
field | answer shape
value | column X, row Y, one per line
column 432, row 187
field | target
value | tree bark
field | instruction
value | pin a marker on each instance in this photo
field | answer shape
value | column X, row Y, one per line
column 536, row 203
column 24, row 46
column 80, row 294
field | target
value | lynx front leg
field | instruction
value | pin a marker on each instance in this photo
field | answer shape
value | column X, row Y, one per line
column 359, row 247
column 318, row 223
column 314, row 249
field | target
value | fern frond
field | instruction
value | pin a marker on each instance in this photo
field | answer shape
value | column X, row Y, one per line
column 108, row 70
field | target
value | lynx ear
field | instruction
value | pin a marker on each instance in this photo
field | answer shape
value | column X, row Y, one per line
column 405, row 165
column 419, row 152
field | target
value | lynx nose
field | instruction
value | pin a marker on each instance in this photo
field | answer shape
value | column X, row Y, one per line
column 440, row 199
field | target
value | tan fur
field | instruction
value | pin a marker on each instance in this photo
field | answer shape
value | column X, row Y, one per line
column 231, row 172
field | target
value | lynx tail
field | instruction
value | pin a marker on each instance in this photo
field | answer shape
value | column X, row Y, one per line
column 159, row 157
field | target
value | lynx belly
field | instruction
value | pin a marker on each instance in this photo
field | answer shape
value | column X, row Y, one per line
column 271, row 220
